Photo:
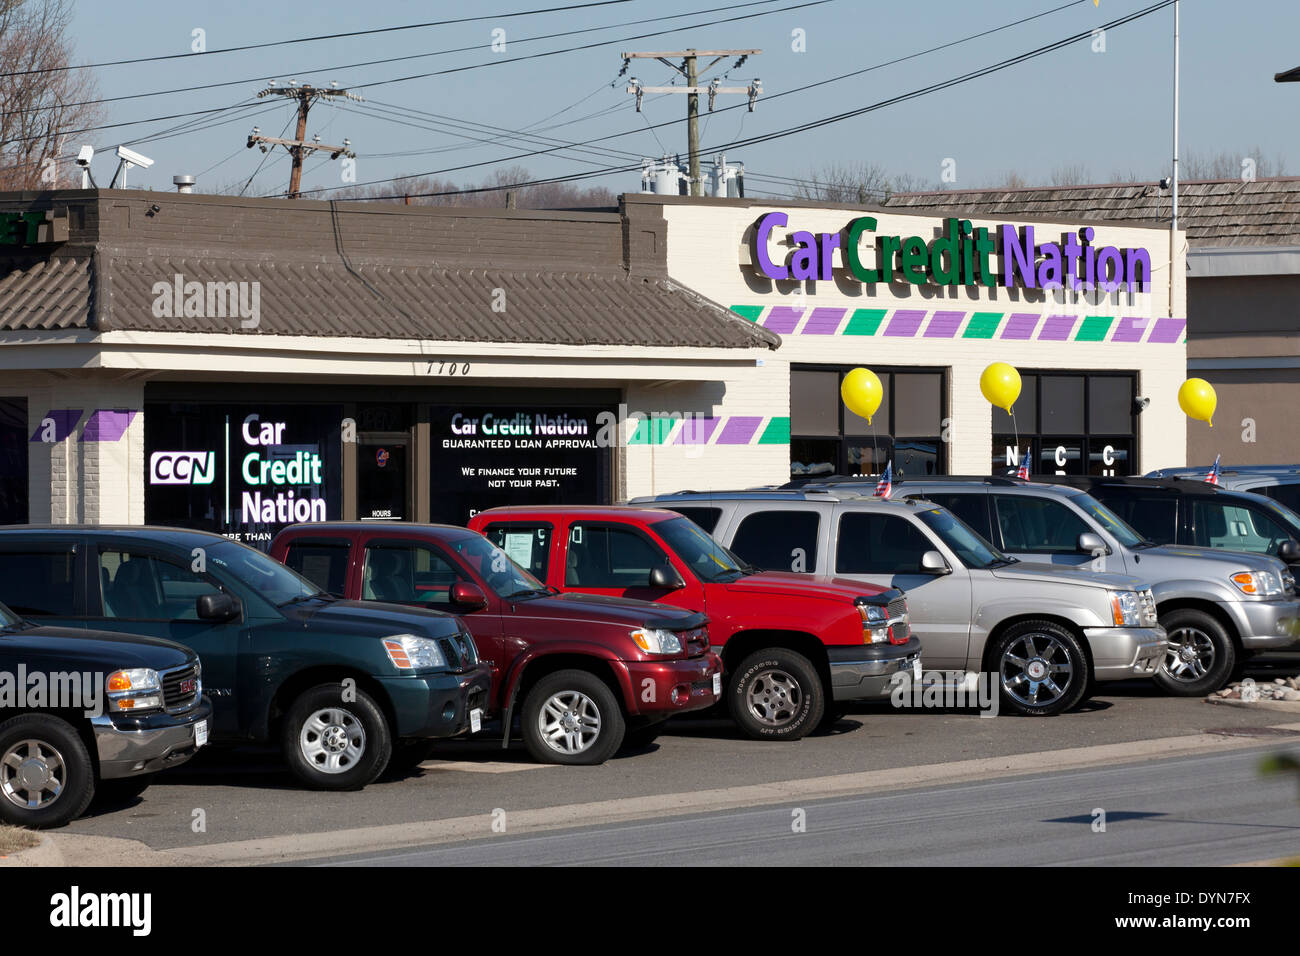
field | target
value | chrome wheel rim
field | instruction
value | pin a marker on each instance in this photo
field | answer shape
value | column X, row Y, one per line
column 1036, row 670
column 332, row 740
column 569, row 722
column 1191, row 654
column 774, row 697
column 32, row 774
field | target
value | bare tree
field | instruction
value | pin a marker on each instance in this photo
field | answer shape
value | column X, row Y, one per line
column 1227, row 165
column 492, row 192
column 45, row 99
column 1074, row 174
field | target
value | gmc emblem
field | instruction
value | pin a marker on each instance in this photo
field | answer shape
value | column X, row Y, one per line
column 188, row 685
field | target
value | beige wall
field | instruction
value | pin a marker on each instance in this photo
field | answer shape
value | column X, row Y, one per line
column 708, row 251
column 1255, row 421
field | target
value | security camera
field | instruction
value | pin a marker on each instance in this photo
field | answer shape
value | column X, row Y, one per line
column 1140, row 403
column 85, row 155
column 131, row 156
column 1166, row 183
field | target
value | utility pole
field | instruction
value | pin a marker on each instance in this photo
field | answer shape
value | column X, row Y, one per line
column 298, row 147
column 689, row 69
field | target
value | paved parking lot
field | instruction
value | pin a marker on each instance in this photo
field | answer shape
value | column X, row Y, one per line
column 248, row 795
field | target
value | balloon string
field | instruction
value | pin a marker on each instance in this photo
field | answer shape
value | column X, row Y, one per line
column 1016, row 429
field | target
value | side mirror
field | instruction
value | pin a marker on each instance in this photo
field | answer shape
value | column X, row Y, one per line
column 1289, row 551
column 933, row 562
column 1092, row 543
column 665, row 577
column 216, row 606
column 469, row 595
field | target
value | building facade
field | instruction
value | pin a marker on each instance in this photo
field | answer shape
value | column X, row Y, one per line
column 240, row 364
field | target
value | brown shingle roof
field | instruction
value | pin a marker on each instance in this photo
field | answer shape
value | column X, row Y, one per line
column 1215, row 213
column 380, row 301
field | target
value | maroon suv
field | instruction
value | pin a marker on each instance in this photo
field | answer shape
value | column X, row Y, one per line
column 585, row 673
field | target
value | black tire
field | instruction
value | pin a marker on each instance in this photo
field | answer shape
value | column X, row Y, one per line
column 1214, row 656
column 60, row 762
column 350, row 736
column 1065, row 673
column 641, row 736
column 582, row 698
column 120, row 791
column 786, row 686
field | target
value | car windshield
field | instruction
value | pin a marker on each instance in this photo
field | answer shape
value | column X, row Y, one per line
column 496, row 568
column 973, row 550
column 1117, row 526
column 268, row 577
column 1288, row 517
column 709, row 560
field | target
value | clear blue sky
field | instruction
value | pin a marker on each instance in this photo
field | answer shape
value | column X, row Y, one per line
column 1108, row 112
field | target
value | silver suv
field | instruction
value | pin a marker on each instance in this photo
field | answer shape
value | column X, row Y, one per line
column 1218, row 607
column 1047, row 632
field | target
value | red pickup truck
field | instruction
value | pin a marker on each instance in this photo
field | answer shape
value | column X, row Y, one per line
column 792, row 646
column 586, row 674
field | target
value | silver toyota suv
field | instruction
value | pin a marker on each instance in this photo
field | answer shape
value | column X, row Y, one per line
column 1218, row 607
column 1047, row 632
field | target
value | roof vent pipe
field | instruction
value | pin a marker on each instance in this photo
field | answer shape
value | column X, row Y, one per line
column 183, row 184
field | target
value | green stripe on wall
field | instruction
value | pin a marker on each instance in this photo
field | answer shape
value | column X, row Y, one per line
column 652, row 431
column 1094, row 328
column 863, row 322
column 982, row 325
column 777, row 432
column 751, row 312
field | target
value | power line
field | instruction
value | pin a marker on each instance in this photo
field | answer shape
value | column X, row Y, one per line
column 791, row 92
column 790, row 131
column 314, row 39
column 413, row 56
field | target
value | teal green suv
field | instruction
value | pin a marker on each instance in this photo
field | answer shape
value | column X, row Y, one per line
column 343, row 687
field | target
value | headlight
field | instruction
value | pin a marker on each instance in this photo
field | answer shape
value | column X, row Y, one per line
column 408, row 652
column 1124, row 609
column 656, row 640
column 1258, row 583
column 875, row 623
column 134, row 690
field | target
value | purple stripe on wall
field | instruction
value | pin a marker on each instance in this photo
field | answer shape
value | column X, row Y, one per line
column 1167, row 330
column 823, row 321
column 1057, row 328
column 944, row 325
column 65, row 420
column 696, row 431
column 782, row 319
column 905, row 322
column 1130, row 328
column 107, row 424
column 739, row 429
column 1020, row 325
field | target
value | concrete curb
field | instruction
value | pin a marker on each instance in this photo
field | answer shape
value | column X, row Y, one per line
column 45, row 853
column 1274, row 706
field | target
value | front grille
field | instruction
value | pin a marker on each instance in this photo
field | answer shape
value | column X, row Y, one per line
column 460, row 651
column 176, row 698
column 695, row 641
column 896, row 608
column 901, row 631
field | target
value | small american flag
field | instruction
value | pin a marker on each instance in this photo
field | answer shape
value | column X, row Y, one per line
column 885, row 486
column 1213, row 476
column 1023, row 471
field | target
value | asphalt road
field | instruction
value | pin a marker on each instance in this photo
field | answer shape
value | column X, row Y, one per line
column 1191, row 811
column 249, row 796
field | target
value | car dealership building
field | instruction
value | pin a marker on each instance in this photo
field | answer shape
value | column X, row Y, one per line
column 238, row 364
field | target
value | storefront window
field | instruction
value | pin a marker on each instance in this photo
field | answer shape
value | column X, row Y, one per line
column 245, row 471
column 484, row 456
column 827, row 438
column 1069, row 425
column 13, row 461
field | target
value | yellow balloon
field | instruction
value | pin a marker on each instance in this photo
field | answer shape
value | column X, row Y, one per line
column 1197, row 399
column 1000, row 384
column 862, row 392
